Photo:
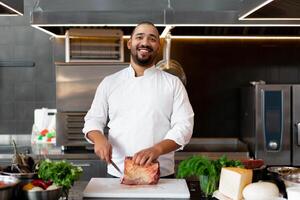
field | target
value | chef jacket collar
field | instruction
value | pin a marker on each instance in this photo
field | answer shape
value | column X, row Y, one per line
column 149, row 71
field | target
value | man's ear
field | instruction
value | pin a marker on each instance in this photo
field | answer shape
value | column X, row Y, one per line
column 129, row 44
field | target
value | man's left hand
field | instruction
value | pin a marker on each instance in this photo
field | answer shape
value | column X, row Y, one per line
column 146, row 156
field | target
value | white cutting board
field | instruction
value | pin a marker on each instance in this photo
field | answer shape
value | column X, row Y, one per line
column 112, row 188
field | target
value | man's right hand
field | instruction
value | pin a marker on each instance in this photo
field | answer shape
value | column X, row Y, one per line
column 102, row 147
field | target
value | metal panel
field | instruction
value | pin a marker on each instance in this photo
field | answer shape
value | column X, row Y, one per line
column 295, row 130
column 76, row 84
column 281, row 156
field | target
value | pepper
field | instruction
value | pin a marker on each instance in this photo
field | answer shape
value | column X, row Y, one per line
column 41, row 183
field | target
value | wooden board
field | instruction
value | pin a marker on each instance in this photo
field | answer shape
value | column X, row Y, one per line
column 111, row 187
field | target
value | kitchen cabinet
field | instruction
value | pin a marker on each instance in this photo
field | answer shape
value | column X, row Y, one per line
column 91, row 168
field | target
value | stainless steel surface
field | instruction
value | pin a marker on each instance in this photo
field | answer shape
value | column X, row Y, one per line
column 11, row 7
column 168, row 65
column 20, row 175
column 283, row 170
column 128, row 12
column 214, row 148
column 76, row 85
column 43, row 195
column 6, row 192
column 116, row 167
column 253, row 127
column 291, row 179
column 94, row 45
column 295, row 130
column 298, row 133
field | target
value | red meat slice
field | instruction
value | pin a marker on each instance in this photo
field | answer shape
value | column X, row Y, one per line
column 140, row 175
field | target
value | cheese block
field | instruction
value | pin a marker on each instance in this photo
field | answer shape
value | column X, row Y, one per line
column 233, row 180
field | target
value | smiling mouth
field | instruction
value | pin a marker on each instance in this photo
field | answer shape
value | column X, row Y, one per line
column 144, row 50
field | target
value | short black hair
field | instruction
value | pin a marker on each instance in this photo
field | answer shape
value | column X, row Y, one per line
column 141, row 23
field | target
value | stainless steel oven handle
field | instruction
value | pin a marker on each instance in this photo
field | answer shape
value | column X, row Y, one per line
column 298, row 133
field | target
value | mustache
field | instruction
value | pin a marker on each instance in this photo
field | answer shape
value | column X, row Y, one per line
column 145, row 47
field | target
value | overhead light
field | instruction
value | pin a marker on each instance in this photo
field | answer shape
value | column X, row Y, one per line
column 11, row 7
column 255, row 9
column 279, row 10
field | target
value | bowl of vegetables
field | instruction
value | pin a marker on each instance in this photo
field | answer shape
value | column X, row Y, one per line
column 55, row 178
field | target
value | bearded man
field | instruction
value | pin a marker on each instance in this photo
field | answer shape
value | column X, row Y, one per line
column 147, row 110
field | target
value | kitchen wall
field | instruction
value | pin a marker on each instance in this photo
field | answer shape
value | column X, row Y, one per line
column 23, row 87
column 215, row 69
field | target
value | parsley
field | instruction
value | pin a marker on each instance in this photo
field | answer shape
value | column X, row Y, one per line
column 208, row 171
column 62, row 173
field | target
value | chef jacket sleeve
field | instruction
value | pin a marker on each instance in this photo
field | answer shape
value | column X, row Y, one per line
column 96, row 117
column 182, row 118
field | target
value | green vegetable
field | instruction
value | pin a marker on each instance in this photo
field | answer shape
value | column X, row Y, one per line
column 62, row 173
column 208, row 171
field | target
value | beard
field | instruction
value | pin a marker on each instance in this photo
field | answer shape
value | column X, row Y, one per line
column 143, row 61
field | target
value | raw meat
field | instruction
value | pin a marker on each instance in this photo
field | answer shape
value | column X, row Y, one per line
column 140, row 175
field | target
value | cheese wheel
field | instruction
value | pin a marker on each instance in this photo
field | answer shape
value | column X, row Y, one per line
column 261, row 191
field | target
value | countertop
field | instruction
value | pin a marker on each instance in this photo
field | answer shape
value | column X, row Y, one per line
column 76, row 192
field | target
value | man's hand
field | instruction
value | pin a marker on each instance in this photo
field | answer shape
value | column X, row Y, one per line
column 146, row 156
column 102, row 147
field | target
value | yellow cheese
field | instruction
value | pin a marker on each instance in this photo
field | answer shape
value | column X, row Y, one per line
column 233, row 180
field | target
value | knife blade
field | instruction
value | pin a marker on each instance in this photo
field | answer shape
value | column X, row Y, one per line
column 116, row 167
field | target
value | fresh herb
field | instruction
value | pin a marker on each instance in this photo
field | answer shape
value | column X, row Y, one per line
column 208, row 171
column 62, row 173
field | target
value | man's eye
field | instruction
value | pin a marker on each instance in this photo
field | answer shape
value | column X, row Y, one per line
column 139, row 37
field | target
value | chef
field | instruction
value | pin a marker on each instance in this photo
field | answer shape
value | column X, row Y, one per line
column 147, row 110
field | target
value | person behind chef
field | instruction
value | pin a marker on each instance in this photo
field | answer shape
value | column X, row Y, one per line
column 148, row 111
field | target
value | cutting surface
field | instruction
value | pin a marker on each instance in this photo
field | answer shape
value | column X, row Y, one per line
column 111, row 187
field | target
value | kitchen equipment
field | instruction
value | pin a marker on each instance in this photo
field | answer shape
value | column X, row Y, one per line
column 270, row 122
column 7, row 191
column 291, row 180
column 111, row 188
column 21, row 175
column 168, row 65
column 116, row 167
column 76, row 84
column 54, row 194
column 94, row 45
column 283, row 170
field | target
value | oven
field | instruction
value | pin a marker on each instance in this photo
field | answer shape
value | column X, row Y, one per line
column 270, row 122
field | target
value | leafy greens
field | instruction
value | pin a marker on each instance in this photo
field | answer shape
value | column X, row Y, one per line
column 208, row 171
column 62, row 173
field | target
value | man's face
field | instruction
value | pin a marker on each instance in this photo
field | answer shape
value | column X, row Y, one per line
column 144, row 45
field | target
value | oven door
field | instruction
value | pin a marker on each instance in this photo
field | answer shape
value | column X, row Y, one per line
column 273, row 123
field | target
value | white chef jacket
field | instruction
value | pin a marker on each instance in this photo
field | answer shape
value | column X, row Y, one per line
column 142, row 111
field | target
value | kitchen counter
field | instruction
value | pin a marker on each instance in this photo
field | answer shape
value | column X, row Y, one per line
column 76, row 192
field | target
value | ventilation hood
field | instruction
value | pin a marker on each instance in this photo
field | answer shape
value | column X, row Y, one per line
column 11, row 7
column 55, row 17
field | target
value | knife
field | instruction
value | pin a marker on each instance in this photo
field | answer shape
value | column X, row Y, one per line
column 116, row 167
